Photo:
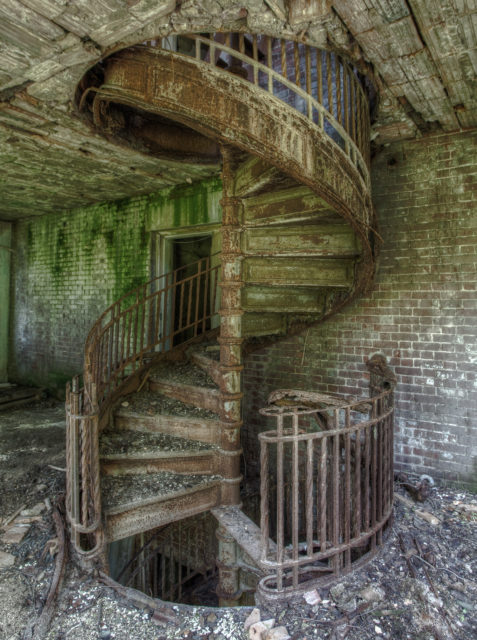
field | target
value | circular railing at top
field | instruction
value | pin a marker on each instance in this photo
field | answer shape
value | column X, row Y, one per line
column 319, row 84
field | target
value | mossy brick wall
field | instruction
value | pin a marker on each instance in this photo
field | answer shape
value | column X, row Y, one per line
column 5, row 258
column 69, row 266
column 421, row 313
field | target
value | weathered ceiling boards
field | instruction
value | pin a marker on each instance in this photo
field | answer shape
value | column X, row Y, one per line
column 422, row 54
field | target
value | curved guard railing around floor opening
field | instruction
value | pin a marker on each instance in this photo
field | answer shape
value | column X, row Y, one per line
column 327, row 478
column 170, row 310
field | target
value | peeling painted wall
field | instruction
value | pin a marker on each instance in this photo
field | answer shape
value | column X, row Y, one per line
column 421, row 313
column 69, row 266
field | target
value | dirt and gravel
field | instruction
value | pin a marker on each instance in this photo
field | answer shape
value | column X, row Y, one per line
column 422, row 586
column 136, row 488
column 185, row 373
column 150, row 404
column 142, row 443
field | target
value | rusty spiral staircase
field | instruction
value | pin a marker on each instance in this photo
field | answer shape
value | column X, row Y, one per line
column 292, row 126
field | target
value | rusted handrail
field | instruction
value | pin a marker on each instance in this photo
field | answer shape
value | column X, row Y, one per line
column 321, row 85
column 165, row 311
column 327, row 474
column 160, row 314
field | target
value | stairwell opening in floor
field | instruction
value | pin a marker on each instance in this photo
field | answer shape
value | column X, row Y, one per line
column 176, row 562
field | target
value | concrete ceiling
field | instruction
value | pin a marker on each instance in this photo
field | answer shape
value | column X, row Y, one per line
column 422, row 53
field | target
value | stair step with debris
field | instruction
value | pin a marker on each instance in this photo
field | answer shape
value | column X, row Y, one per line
column 155, row 413
column 203, row 357
column 300, row 257
column 140, row 502
column 129, row 451
column 264, row 323
column 188, row 383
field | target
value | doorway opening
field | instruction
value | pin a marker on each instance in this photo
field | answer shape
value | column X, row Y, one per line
column 190, row 259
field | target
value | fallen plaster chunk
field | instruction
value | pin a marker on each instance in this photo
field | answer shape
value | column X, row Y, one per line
column 253, row 618
column 258, row 630
column 470, row 508
column 372, row 593
column 36, row 510
column 15, row 533
column 312, row 597
column 277, row 633
column 6, row 560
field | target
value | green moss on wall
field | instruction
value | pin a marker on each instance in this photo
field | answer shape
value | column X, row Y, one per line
column 72, row 265
column 186, row 205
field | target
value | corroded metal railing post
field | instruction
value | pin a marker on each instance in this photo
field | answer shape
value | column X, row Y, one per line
column 230, row 339
column 332, row 485
column 228, row 589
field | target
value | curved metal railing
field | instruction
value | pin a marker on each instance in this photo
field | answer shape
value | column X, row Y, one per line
column 320, row 84
column 326, row 486
column 165, row 311
column 169, row 310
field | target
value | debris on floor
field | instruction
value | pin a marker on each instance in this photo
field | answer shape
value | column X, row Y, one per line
column 13, row 395
column 423, row 586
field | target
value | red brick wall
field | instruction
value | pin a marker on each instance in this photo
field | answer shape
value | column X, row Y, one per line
column 421, row 314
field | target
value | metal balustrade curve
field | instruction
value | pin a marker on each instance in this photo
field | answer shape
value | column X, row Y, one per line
column 168, row 311
column 326, row 474
column 320, row 84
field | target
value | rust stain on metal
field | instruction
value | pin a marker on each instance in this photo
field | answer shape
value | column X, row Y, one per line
column 333, row 464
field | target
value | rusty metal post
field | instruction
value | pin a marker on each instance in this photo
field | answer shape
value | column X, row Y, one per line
column 231, row 333
column 228, row 588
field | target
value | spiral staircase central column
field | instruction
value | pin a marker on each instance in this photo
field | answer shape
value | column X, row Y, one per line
column 230, row 339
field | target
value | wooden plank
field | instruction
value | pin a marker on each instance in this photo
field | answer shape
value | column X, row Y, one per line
column 276, row 299
column 317, row 240
column 35, row 22
column 47, row 8
column 310, row 272
column 392, row 10
column 252, row 175
column 301, row 11
column 263, row 324
column 26, row 41
column 283, row 206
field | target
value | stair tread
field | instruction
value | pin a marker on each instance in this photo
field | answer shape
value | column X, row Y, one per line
column 121, row 493
column 209, row 350
column 128, row 443
column 152, row 403
column 183, row 373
